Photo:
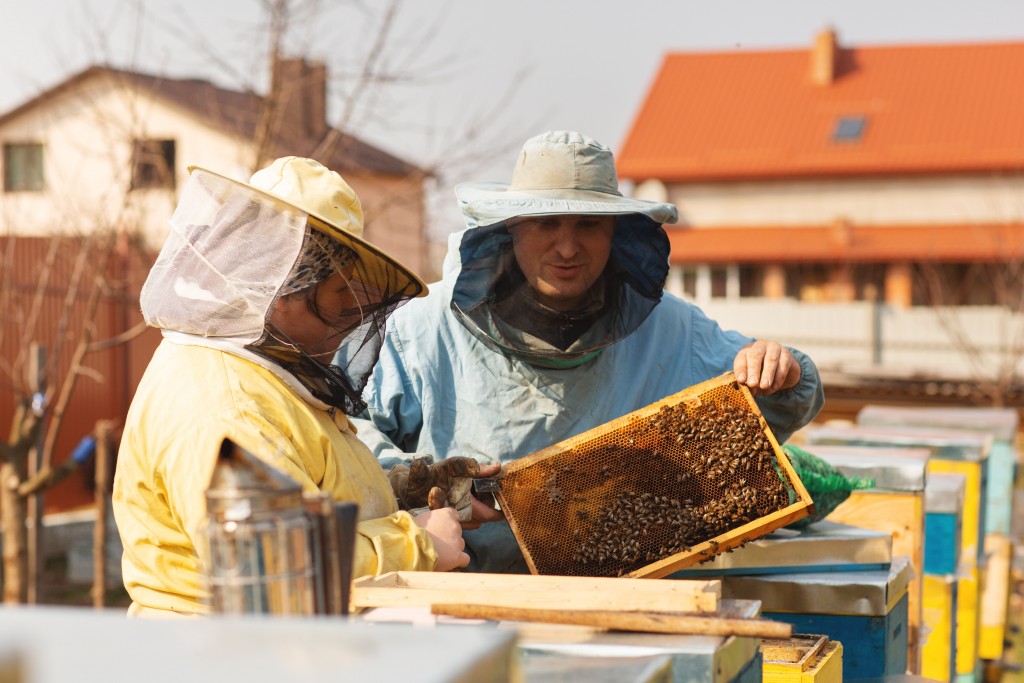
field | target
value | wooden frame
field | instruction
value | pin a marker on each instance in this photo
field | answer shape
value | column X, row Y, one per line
column 712, row 546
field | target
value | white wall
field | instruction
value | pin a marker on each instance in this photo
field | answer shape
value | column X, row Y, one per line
column 87, row 135
column 945, row 200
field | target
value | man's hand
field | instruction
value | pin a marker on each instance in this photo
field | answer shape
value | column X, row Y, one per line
column 766, row 367
column 446, row 535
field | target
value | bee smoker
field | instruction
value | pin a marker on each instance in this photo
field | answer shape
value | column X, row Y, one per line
column 273, row 550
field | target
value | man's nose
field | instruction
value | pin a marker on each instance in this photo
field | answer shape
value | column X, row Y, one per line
column 567, row 242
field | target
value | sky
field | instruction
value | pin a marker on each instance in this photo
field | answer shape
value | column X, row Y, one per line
column 468, row 80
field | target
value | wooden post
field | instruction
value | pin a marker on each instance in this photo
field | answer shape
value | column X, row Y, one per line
column 34, row 504
column 12, row 513
column 102, row 498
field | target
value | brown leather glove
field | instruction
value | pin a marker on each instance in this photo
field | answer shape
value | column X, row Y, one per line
column 422, row 484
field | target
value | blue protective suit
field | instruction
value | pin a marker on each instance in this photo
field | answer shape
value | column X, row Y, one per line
column 439, row 390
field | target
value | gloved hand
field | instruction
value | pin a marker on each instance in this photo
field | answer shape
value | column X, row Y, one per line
column 422, row 484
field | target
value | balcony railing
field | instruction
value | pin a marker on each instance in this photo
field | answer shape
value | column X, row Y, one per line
column 961, row 343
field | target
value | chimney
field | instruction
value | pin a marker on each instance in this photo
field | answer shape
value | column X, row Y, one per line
column 823, row 58
column 301, row 88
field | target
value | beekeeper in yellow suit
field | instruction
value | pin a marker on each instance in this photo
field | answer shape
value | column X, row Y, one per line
column 257, row 288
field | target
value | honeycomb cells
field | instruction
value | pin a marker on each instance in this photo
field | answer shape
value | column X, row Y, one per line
column 648, row 486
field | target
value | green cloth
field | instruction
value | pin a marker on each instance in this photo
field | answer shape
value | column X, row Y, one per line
column 827, row 486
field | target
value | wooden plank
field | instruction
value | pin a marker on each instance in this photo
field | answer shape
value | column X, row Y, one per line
column 422, row 589
column 647, row 622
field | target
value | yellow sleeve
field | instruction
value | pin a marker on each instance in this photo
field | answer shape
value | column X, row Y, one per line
column 392, row 543
column 384, row 544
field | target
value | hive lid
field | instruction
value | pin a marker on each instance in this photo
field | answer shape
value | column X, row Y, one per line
column 945, row 493
column 1001, row 423
column 943, row 443
column 893, row 469
column 871, row 593
column 822, row 546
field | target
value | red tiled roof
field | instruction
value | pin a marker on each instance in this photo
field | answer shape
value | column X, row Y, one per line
column 929, row 109
column 843, row 244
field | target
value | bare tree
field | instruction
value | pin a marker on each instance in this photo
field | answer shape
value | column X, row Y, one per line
column 994, row 364
column 76, row 275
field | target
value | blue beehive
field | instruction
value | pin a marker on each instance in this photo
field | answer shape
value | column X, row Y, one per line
column 865, row 611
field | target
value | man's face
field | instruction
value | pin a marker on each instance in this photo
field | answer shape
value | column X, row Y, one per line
column 562, row 255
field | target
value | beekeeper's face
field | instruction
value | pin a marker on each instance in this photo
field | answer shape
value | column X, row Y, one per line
column 562, row 256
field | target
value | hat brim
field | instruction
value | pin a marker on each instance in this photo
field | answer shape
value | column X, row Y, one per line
column 375, row 261
column 490, row 203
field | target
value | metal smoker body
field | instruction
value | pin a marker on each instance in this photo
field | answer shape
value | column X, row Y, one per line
column 273, row 550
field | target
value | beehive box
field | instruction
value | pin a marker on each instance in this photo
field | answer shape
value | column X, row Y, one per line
column 952, row 452
column 677, row 482
column 1001, row 424
column 944, row 504
column 895, row 505
column 865, row 611
column 802, row 659
column 822, row 546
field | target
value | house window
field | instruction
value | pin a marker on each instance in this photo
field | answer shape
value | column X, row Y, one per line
column 153, row 164
column 849, row 129
column 23, row 167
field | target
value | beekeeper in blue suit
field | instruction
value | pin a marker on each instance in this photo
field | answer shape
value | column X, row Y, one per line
column 551, row 319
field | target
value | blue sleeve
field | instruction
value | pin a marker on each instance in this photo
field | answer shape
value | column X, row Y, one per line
column 714, row 351
column 789, row 410
column 390, row 426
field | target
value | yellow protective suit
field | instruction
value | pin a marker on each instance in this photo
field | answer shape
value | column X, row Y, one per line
column 189, row 399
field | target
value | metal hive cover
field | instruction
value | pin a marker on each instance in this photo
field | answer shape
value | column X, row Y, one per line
column 657, row 490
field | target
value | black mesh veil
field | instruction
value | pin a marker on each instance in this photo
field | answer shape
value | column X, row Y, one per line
column 492, row 299
column 347, row 296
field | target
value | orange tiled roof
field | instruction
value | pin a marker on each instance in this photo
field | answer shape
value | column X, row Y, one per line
column 844, row 243
column 929, row 109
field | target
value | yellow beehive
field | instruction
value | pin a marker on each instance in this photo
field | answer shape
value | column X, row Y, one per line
column 995, row 596
column 894, row 506
column 969, row 584
column 802, row 659
column 964, row 453
column 939, row 618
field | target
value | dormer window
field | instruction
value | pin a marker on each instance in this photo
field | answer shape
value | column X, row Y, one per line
column 849, row 128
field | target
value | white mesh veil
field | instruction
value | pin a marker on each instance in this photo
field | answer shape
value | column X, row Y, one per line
column 229, row 251
column 234, row 251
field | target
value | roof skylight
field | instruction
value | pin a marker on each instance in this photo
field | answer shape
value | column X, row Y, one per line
column 849, row 128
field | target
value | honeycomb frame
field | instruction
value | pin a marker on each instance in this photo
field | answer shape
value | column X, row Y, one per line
column 674, row 483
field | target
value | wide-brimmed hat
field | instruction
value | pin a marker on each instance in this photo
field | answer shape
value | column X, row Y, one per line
column 332, row 207
column 558, row 172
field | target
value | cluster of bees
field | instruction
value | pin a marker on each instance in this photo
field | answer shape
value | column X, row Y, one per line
column 686, row 476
